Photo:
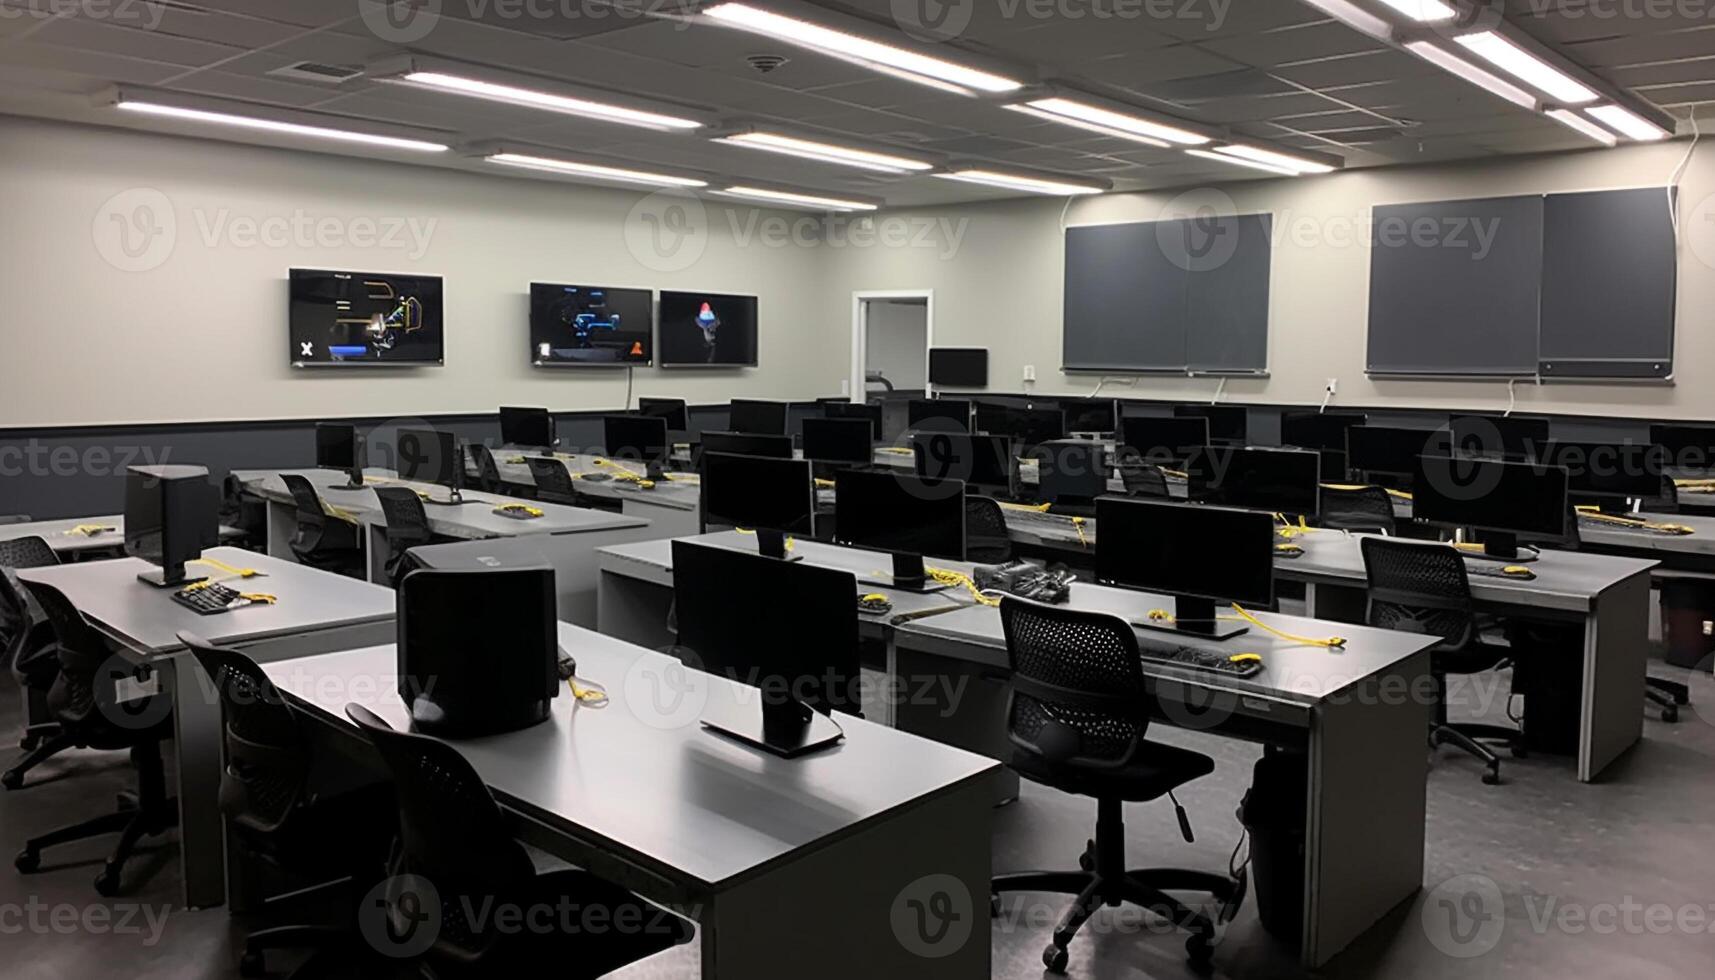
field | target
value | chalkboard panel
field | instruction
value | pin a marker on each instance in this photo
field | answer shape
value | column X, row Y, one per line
column 1609, row 284
column 1227, row 303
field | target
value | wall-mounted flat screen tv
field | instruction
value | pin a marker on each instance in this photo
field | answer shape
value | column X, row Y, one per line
column 707, row 330
column 365, row 319
column 591, row 326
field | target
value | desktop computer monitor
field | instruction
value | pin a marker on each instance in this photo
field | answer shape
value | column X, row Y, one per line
column 845, row 442
column 1508, row 437
column 773, row 497
column 340, row 447
column 1279, row 481
column 1505, row 500
column 528, row 428
column 985, row 463
column 959, row 367
column 745, row 444
column 469, row 676
column 1199, row 554
column 1389, row 455
column 1072, row 473
column 757, row 418
column 674, row 410
column 1690, row 448
column 1028, row 427
column 1098, row 416
column 432, row 456
column 856, row 410
column 939, row 415
column 635, row 438
column 802, row 655
column 902, row 515
column 1227, row 423
column 1609, row 474
column 171, row 515
column 1318, row 430
column 1164, row 441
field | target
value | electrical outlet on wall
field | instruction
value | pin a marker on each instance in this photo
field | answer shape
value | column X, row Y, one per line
column 1333, row 386
column 1029, row 373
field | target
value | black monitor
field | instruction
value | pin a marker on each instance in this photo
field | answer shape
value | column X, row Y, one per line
column 1389, row 455
column 757, row 418
column 1318, row 430
column 773, row 497
column 1690, row 448
column 346, row 319
column 1098, row 416
column 847, row 442
column 1609, row 473
column 1164, row 441
column 1507, row 500
column 637, row 438
column 674, row 410
column 1280, row 481
column 1511, row 437
column 959, row 367
column 939, row 414
column 171, row 515
column 1227, row 423
column 469, row 676
column 745, row 444
column 340, row 447
column 856, row 410
column 985, row 463
column 903, row 515
column 432, row 456
column 803, row 655
column 529, row 428
column 1029, row 427
column 707, row 330
column 1072, row 473
column 1201, row 555
column 591, row 326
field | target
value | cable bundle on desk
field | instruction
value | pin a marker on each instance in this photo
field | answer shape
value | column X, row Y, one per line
column 1244, row 616
column 1633, row 522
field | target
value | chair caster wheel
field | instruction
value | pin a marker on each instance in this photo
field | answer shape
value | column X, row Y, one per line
column 11, row 779
column 1201, row 954
column 107, row 883
column 251, row 965
column 1055, row 958
column 27, row 861
column 1491, row 778
column 1670, row 715
column 1087, row 860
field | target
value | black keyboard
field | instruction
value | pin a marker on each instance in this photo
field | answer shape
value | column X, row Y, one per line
column 210, row 599
column 1198, row 658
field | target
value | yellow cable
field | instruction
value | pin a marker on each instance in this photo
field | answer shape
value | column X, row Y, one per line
column 1637, row 522
column 223, row 566
column 946, row 576
column 1332, row 642
column 791, row 542
column 89, row 530
column 594, row 695
column 1078, row 523
column 1033, row 508
column 824, row 484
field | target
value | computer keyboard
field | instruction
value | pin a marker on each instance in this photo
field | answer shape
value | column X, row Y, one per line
column 210, row 599
column 1517, row 573
column 1197, row 658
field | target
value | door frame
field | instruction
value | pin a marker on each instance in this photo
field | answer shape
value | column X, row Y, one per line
column 860, row 332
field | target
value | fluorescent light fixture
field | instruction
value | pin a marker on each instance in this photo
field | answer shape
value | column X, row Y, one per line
column 1526, row 67
column 801, row 200
column 1355, row 16
column 1584, row 126
column 1017, row 182
column 572, row 168
column 1242, row 162
column 908, row 64
column 275, row 126
column 826, row 152
column 1118, row 123
column 1424, row 11
column 1282, row 161
column 1627, row 123
column 534, row 99
column 1092, row 127
column 1435, row 54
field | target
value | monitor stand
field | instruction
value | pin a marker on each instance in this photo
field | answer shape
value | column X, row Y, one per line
column 909, row 576
column 169, row 577
column 1194, row 619
column 787, row 728
column 455, row 499
column 353, row 480
column 1503, row 547
column 772, row 544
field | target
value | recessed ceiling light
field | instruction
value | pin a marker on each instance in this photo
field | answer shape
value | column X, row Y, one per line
column 572, row 168
column 1283, row 161
column 1628, row 123
column 513, row 95
column 1018, row 182
column 1437, row 55
column 272, row 125
column 1242, row 162
column 1122, row 124
column 826, row 152
column 1355, row 16
column 1424, row 11
column 1526, row 67
column 801, row 200
column 909, row 64
column 1583, row 126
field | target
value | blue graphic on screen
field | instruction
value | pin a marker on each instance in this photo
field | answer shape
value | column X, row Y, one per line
column 590, row 325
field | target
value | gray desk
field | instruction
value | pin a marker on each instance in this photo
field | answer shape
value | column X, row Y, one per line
column 68, row 545
column 779, row 861
column 317, row 612
column 673, row 508
column 1359, row 714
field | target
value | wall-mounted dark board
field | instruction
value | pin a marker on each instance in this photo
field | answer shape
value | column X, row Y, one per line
column 1610, row 280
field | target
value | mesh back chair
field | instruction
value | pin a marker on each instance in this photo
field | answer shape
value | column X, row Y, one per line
column 986, row 539
column 1141, row 479
column 407, row 527
column 1077, row 719
column 553, row 480
column 274, row 813
column 85, row 702
column 321, row 541
column 454, row 837
column 31, row 654
column 1357, row 509
column 487, row 471
column 1424, row 588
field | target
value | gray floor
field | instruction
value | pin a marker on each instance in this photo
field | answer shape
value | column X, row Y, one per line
column 1610, row 880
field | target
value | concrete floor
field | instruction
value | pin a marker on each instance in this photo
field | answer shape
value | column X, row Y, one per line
column 1558, row 879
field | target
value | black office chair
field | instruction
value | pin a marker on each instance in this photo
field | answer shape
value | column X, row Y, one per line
column 32, row 655
column 986, row 539
column 487, row 471
column 1357, row 509
column 321, row 541
column 553, row 481
column 1077, row 719
column 407, row 527
column 1141, row 479
column 274, row 812
column 1424, row 588
column 85, row 702
column 454, row 836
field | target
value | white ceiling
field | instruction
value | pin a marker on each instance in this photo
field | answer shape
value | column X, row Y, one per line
column 1274, row 69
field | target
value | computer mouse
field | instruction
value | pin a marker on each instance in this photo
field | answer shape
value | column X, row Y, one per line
column 1289, row 551
column 875, row 603
column 1245, row 658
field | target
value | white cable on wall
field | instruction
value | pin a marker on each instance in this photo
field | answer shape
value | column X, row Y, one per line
column 1679, row 175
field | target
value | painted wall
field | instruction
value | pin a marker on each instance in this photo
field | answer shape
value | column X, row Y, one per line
column 898, row 342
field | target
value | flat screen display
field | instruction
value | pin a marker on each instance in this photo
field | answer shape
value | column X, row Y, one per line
column 1162, row 440
column 900, row 514
column 959, row 367
column 1186, row 549
column 1318, row 430
column 1490, row 495
column 591, row 326
column 753, row 492
column 985, row 463
column 708, row 330
column 365, row 319
column 1227, row 423
column 1283, row 481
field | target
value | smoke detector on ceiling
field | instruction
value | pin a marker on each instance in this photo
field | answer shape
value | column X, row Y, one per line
column 313, row 71
column 766, row 64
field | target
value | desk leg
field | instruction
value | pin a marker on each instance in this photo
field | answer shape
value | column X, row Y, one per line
column 907, row 898
column 954, row 702
column 282, row 525
column 1336, row 603
column 197, row 747
column 633, row 610
column 1616, row 662
column 375, row 551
